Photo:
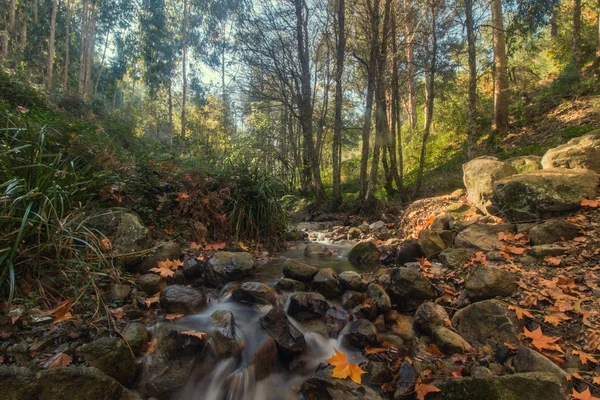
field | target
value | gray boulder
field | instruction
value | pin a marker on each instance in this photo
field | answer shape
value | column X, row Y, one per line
column 327, row 283
column 487, row 282
column 226, row 341
column 364, row 253
column 165, row 251
column 351, row 280
column 380, row 297
column 112, row 356
column 479, row 176
column 136, row 336
column 529, row 360
column 408, row 288
column 224, row 267
column 431, row 243
column 553, row 231
column 288, row 338
column 580, row 152
column 254, row 293
column 359, row 334
column 290, row 285
column 151, row 283
column 455, row 258
column 182, row 299
column 299, row 271
column 305, row 306
column 482, row 236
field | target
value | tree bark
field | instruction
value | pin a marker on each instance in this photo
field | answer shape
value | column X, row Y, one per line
column 50, row 64
column 500, row 122
column 171, row 114
column 430, row 95
column 65, row 82
column 83, row 47
column 184, row 71
column 576, row 45
column 395, row 108
column 410, row 66
column 305, row 98
column 22, row 42
column 10, row 25
column 598, row 32
column 472, row 55
column 91, row 44
column 338, row 124
column 102, row 63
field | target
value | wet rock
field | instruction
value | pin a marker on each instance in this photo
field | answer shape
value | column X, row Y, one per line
column 404, row 327
column 335, row 320
column 380, row 297
column 525, row 163
column 552, row 231
column 360, row 333
column 376, row 226
column 482, row 236
column 289, row 339
column 529, row 360
column 486, row 282
column 136, row 336
column 254, row 293
column 78, row 383
column 487, row 322
column 225, row 338
column 407, row 251
column 151, row 283
column 544, row 250
column 431, row 243
column 538, row 194
column 351, row 280
column 264, row 359
column 177, row 299
column 226, row 267
column 429, row 316
column 528, row 386
column 290, row 285
column 354, row 233
column 163, row 375
column 165, row 251
column 192, row 268
column 299, row 271
column 408, row 288
column 119, row 292
column 316, row 250
column 351, row 299
column 407, row 379
column 327, row 283
column 316, row 326
column 112, row 356
column 323, row 387
column 580, row 152
column 378, row 373
column 479, row 176
column 449, row 341
column 364, row 253
column 455, row 258
column 305, row 306
column 367, row 310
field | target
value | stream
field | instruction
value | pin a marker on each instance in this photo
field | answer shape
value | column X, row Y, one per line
column 244, row 377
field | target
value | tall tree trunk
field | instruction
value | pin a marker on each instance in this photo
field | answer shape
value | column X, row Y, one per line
column 65, row 82
column 22, row 42
column 10, row 25
column 171, row 114
column 576, row 45
column 305, row 98
column 430, row 94
column 91, row 44
column 410, row 66
column 500, row 122
column 83, row 47
column 102, row 62
column 50, row 65
column 395, row 107
column 367, row 122
column 472, row 55
column 338, row 124
column 598, row 32
column 184, row 70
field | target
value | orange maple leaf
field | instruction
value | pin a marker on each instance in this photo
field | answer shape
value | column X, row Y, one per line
column 520, row 312
column 171, row 317
column 150, row 301
column 585, row 358
column 199, row 335
column 63, row 311
column 590, row 203
column 343, row 368
column 585, row 395
column 556, row 316
column 215, row 246
column 167, row 268
column 423, row 390
column 512, row 250
column 553, row 261
column 541, row 342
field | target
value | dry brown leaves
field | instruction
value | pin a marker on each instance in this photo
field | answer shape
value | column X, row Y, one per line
column 167, row 268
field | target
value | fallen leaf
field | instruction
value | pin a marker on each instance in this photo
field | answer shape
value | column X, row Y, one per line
column 169, row 231
column 585, row 395
column 167, row 268
column 553, row 261
column 590, row 203
column 171, row 317
column 423, row 390
column 596, row 380
column 215, row 246
column 520, row 312
column 117, row 313
column 199, row 335
column 541, row 342
column 62, row 313
column 556, row 316
column 150, row 346
column 512, row 250
column 343, row 368
column 182, row 196
column 195, row 246
column 106, row 243
column 150, row 301
column 374, row 350
column 58, row 360
column 585, row 358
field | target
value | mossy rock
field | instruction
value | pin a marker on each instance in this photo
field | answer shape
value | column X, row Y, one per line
column 364, row 253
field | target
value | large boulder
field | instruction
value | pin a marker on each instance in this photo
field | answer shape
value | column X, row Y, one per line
column 364, row 253
column 580, row 152
column 299, row 271
column 487, row 322
column 226, row 341
column 323, row 387
column 431, row 243
column 525, row 163
column 254, row 293
column 360, row 333
column 528, row 386
column 182, row 299
column 112, row 356
column 479, row 176
column 226, row 267
column 288, row 338
column 327, row 283
column 553, row 231
column 482, row 236
column 408, row 288
column 537, row 194
column 529, row 360
column 306, row 306
column 487, row 282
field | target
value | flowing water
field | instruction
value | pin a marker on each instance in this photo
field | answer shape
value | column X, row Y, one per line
column 235, row 378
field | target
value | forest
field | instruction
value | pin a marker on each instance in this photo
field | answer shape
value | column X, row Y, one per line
column 299, row 199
